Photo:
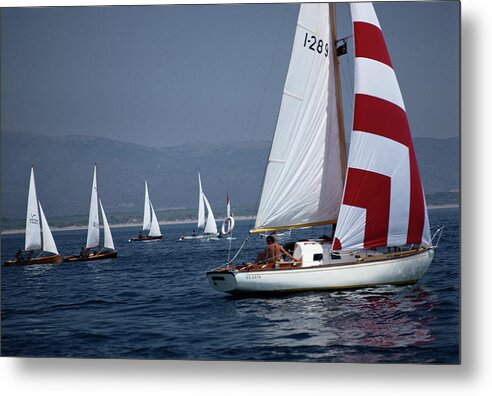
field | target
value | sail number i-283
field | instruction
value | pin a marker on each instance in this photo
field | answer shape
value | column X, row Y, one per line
column 315, row 44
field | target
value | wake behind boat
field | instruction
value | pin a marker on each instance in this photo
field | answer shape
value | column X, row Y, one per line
column 150, row 222
column 92, row 251
column 376, row 201
column 38, row 234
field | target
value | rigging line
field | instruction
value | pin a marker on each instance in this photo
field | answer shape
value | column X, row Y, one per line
column 241, row 248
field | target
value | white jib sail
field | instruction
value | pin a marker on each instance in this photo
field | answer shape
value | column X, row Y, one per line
column 33, row 228
column 93, row 228
column 201, row 209
column 154, row 224
column 48, row 241
column 108, row 238
column 211, row 226
column 304, row 181
column 146, row 217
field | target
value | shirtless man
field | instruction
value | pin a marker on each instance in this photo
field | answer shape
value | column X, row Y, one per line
column 273, row 253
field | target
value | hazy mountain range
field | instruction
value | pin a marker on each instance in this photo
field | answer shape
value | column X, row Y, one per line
column 64, row 166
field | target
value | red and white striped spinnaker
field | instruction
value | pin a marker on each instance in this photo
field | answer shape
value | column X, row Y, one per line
column 383, row 202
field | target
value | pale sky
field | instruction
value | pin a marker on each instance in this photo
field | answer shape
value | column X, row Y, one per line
column 170, row 74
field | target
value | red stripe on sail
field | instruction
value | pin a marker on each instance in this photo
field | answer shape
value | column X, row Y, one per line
column 369, row 43
column 383, row 118
column 371, row 191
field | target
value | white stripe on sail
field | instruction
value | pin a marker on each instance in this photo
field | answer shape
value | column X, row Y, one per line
column 364, row 12
column 108, row 238
column 48, row 241
column 377, row 79
column 33, row 227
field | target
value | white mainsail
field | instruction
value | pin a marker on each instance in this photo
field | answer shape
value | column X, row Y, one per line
column 201, row 209
column 48, row 241
column 211, row 226
column 33, row 228
column 108, row 238
column 155, row 230
column 146, row 218
column 93, row 227
column 303, row 182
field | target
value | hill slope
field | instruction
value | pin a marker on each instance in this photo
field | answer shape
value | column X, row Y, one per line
column 63, row 169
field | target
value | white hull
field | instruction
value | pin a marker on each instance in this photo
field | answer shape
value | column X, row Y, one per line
column 192, row 237
column 401, row 270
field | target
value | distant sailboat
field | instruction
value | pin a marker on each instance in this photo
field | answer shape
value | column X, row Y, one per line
column 228, row 224
column 38, row 234
column 376, row 199
column 92, row 250
column 150, row 222
column 210, row 225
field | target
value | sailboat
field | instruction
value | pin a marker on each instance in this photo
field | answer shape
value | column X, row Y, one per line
column 92, row 251
column 210, row 225
column 229, row 222
column 376, row 200
column 150, row 222
column 38, row 234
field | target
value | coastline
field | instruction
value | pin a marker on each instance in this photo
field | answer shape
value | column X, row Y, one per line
column 186, row 221
column 120, row 225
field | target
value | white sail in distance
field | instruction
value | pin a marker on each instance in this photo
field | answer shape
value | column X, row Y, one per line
column 48, row 241
column 93, row 227
column 201, row 209
column 228, row 206
column 155, row 230
column 211, row 226
column 33, row 227
column 108, row 238
column 303, row 182
column 146, row 218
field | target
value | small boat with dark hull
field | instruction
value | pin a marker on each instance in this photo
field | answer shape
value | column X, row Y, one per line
column 87, row 255
column 145, row 238
column 150, row 222
column 38, row 235
column 92, row 251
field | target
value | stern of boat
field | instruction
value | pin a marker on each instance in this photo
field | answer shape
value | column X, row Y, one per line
column 223, row 281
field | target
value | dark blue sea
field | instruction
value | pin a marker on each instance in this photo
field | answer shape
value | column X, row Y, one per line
column 154, row 302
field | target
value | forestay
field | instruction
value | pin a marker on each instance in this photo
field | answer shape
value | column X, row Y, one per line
column 304, row 178
column 383, row 202
column 33, row 228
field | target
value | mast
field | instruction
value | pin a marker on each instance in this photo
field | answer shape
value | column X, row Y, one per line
column 341, row 128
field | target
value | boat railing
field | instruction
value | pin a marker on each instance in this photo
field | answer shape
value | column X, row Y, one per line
column 437, row 235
